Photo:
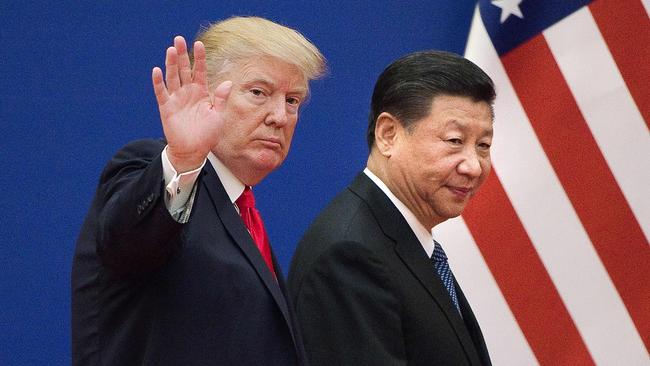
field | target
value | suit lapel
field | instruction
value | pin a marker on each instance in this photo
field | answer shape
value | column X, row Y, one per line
column 415, row 259
column 473, row 327
column 237, row 230
column 410, row 251
column 295, row 332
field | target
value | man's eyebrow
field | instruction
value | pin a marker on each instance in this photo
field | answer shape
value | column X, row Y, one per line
column 464, row 126
column 456, row 123
column 268, row 83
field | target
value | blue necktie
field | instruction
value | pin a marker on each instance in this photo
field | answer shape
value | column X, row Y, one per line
column 439, row 259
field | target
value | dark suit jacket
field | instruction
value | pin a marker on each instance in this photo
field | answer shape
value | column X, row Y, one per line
column 147, row 290
column 366, row 293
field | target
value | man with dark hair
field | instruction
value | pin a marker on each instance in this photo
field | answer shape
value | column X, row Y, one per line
column 370, row 284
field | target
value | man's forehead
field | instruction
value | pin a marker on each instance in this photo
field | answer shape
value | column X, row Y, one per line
column 461, row 105
column 461, row 113
column 272, row 72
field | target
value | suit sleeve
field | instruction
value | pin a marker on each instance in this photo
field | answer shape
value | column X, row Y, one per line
column 136, row 233
column 347, row 311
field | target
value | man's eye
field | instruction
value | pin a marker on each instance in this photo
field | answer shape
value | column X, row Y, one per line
column 455, row 141
column 484, row 145
column 257, row 92
column 293, row 101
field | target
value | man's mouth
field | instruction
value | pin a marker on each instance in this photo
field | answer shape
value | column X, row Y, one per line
column 272, row 142
column 461, row 191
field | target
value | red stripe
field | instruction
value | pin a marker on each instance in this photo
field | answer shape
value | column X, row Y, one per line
column 625, row 27
column 522, row 278
column 582, row 170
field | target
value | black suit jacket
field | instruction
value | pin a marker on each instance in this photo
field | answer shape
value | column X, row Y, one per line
column 147, row 290
column 366, row 293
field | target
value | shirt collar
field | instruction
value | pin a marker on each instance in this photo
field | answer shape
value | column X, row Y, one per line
column 233, row 186
column 424, row 236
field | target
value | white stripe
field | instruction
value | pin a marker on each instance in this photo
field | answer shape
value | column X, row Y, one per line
column 606, row 103
column 505, row 341
column 552, row 224
column 646, row 4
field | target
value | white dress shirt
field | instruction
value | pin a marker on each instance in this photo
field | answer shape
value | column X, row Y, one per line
column 180, row 188
column 424, row 236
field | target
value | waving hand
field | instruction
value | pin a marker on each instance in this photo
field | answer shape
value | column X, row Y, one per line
column 191, row 120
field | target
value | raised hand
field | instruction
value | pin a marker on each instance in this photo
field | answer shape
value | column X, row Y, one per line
column 191, row 120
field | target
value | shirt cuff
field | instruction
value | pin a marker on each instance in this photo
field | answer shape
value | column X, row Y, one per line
column 178, row 186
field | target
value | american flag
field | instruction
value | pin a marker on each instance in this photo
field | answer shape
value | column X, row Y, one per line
column 553, row 252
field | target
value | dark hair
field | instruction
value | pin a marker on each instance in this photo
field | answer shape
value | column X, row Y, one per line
column 407, row 87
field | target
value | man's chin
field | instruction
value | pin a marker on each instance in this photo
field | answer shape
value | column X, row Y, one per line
column 267, row 164
column 453, row 211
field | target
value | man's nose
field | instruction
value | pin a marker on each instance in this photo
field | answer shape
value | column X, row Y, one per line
column 278, row 113
column 471, row 164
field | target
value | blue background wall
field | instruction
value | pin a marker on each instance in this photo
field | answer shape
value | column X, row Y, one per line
column 75, row 86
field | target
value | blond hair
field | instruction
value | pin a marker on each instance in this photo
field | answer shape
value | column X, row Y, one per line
column 240, row 38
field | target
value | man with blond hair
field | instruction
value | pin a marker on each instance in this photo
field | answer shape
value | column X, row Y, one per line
column 173, row 265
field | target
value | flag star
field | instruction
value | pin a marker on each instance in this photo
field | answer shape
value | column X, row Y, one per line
column 508, row 7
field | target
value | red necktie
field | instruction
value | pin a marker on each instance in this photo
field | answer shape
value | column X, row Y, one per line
column 253, row 221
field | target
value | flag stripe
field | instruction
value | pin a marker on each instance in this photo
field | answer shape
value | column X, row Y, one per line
column 583, row 172
column 522, row 278
column 505, row 341
column 626, row 28
column 600, row 92
column 557, row 234
column 546, row 212
column 609, row 110
column 552, row 224
column 547, row 215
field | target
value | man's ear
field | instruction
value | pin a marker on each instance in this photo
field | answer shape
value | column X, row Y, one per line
column 387, row 131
